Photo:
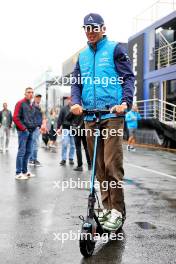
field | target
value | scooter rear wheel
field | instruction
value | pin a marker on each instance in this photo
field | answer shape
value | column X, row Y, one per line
column 86, row 244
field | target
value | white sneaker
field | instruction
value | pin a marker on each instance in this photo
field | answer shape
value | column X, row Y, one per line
column 115, row 213
column 104, row 216
column 114, row 222
column 30, row 175
column 132, row 149
column 128, row 147
column 21, row 176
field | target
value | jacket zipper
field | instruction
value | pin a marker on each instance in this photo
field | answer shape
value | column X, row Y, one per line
column 94, row 81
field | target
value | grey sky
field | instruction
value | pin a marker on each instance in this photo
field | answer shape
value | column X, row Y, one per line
column 39, row 34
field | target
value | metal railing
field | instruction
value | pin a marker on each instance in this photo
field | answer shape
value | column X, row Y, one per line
column 155, row 108
column 166, row 53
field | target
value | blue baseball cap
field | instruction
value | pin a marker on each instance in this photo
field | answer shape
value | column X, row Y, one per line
column 93, row 19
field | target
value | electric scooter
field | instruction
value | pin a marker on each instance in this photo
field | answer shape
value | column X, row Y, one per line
column 91, row 225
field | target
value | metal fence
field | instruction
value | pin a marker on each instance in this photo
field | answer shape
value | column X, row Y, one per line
column 155, row 108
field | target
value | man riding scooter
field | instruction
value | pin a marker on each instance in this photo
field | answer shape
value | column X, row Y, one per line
column 104, row 60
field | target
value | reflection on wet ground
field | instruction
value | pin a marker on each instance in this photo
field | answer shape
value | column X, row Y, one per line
column 32, row 211
column 145, row 225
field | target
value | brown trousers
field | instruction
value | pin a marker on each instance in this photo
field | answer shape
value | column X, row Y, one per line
column 109, row 164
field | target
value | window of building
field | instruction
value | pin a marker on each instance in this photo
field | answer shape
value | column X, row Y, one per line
column 165, row 45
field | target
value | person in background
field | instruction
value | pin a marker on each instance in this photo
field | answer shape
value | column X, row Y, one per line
column 131, row 119
column 25, row 121
column 5, row 126
column 63, row 127
column 80, row 137
column 52, row 122
column 45, row 130
column 36, row 134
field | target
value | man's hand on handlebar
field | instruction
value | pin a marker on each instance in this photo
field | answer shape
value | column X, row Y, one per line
column 119, row 109
column 76, row 109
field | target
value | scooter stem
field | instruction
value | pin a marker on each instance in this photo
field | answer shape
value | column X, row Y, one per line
column 94, row 164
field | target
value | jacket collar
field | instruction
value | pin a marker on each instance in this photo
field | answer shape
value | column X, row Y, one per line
column 27, row 101
column 99, row 44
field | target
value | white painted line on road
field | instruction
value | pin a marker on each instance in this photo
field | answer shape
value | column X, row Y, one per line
column 150, row 170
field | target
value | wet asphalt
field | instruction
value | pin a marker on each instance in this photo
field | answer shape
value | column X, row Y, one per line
column 39, row 218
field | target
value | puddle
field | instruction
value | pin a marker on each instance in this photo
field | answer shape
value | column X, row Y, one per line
column 145, row 225
column 25, row 245
column 28, row 213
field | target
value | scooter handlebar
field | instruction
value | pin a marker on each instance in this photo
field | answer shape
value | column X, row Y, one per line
column 96, row 111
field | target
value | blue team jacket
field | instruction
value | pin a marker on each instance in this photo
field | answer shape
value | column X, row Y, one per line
column 131, row 119
column 108, row 62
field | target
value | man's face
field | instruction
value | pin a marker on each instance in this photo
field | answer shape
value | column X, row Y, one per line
column 5, row 106
column 37, row 99
column 94, row 34
column 29, row 94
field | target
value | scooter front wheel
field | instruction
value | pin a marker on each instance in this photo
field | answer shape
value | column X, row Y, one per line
column 86, row 244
